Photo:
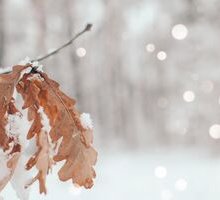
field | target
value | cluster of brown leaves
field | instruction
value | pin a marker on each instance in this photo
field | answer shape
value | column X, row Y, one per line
column 68, row 139
column 8, row 143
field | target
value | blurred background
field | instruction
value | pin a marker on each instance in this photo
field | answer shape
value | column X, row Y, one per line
column 149, row 75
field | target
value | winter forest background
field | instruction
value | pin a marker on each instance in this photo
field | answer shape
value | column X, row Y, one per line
column 149, row 74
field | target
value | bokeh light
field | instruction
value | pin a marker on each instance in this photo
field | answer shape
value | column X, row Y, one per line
column 150, row 47
column 189, row 96
column 214, row 131
column 179, row 32
column 161, row 55
column 81, row 52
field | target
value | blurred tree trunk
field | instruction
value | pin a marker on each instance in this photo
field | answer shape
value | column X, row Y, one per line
column 1, row 31
column 75, row 62
column 41, row 18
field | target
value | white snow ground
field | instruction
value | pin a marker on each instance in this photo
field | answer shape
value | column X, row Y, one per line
column 131, row 175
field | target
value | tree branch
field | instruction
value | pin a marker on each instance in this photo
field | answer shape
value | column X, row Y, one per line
column 56, row 51
column 87, row 28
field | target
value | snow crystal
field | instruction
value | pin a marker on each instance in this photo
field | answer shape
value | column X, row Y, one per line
column 31, row 147
column 26, row 61
column 40, row 68
column 46, row 127
column 44, row 120
column 13, row 124
column 17, row 126
column 36, row 64
column 86, row 121
column 5, row 171
column 15, row 94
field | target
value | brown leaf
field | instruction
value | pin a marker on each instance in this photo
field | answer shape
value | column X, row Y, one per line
column 11, row 107
column 11, row 164
column 80, row 160
column 7, row 85
column 76, row 146
column 30, row 89
column 70, row 141
column 9, row 143
column 65, row 124
column 41, row 160
column 35, row 127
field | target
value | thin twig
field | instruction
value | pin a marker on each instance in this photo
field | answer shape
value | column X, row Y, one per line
column 87, row 28
column 56, row 51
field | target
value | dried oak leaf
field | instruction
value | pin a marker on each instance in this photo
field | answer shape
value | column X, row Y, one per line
column 7, row 85
column 41, row 159
column 65, row 124
column 76, row 146
column 8, row 143
column 11, row 164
